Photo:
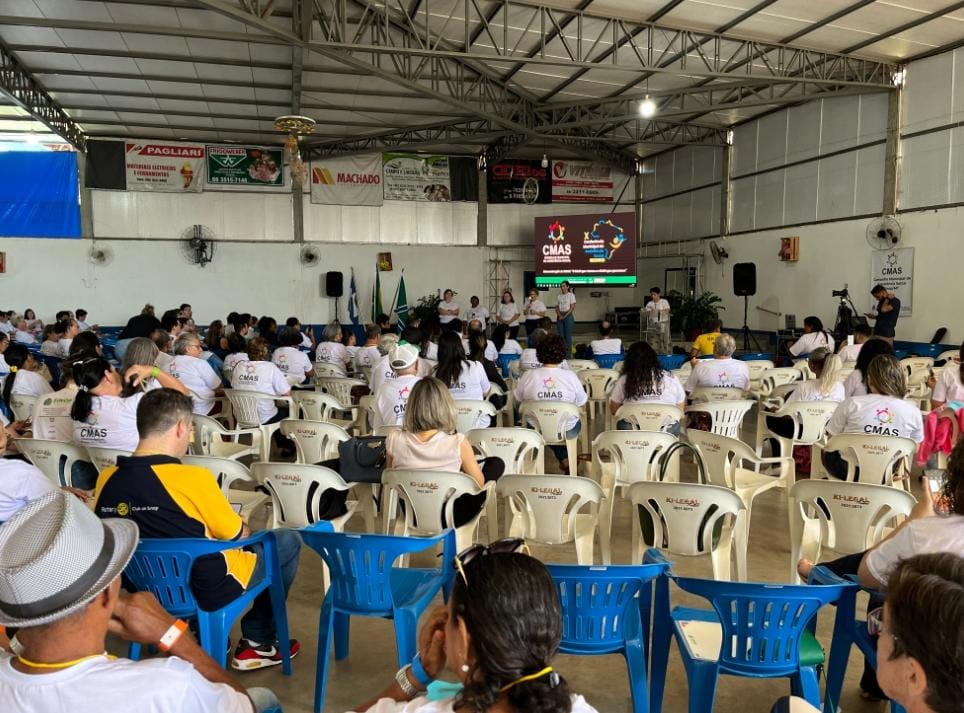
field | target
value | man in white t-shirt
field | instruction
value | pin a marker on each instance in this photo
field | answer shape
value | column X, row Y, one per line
column 448, row 309
column 392, row 395
column 850, row 352
column 332, row 350
column 475, row 312
column 722, row 371
column 23, row 335
column 82, row 321
column 657, row 314
column 606, row 344
column 289, row 358
column 60, row 588
column 368, row 355
column 195, row 373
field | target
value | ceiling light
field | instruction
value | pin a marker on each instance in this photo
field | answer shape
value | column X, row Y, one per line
column 900, row 76
column 545, row 161
column 647, row 108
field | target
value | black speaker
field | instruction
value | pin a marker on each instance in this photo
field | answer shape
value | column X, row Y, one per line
column 528, row 282
column 334, row 284
column 744, row 279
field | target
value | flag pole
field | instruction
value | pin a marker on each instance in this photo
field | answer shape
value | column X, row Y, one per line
column 395, row 298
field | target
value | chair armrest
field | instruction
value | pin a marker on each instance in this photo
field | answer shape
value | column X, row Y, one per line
column 822, row 575
column 655, row 556
column 320, row 526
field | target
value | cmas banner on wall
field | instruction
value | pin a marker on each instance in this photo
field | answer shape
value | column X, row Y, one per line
column 164, row 166
column 347, row 180
column 581, row 182
column 894, row 269
column 415, row 177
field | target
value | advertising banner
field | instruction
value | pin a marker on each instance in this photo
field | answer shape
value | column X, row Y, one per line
column 414, row 177
column 594, row 249
column 347, row 180
column 164, row 166
column 581, row 182
column 894, row 269
column 230, row 165
column 518, row 181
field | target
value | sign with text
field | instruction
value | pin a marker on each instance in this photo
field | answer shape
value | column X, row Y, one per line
column 164, row 166
column 894, row 269
column 230, row 165
column 347, row 180
column 414, row 177
column 581, row 182
column 518, row 181
column 594, row 249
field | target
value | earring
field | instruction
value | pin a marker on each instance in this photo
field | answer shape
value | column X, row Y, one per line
column 465, row 668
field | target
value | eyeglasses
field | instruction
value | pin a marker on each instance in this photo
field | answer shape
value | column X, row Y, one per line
column 875, row 623
column 505, row 546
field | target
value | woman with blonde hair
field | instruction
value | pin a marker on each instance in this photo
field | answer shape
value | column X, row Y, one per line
column 428, row 441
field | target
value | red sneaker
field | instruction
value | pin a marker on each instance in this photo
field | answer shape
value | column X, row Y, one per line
column 249, row 656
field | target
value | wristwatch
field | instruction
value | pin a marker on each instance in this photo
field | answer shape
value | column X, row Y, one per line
column 401, row 678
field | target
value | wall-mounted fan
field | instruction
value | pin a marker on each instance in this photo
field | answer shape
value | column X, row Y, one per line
column 719, row 254
column 100, row 256
column 883, row 233
column 310, row 255
column 197, row 245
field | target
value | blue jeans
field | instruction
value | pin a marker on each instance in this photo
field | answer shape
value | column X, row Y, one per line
column 258, row 624
column 564, row 327
column 560, row 450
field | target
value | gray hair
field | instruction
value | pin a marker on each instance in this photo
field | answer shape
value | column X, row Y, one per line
column 332, row 331
column 141, row 351
column 184, row 340
column 430, row 407
column 725, row 346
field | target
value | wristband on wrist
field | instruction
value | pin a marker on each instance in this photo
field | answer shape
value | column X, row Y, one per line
column 419, row 672
column 171, row 636
column 154, row 372
column 401, row 678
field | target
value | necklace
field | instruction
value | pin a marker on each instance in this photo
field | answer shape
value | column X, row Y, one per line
column 63, row 664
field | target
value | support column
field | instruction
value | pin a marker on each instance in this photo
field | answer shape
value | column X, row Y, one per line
column 298, row 214
column 482, row 219
column 725, row 190
column 86, row 209
column 892, row 151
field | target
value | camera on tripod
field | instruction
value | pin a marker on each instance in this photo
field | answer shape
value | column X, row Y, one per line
column 844, row 293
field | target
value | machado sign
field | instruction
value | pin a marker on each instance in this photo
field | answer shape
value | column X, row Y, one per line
column 349, row 180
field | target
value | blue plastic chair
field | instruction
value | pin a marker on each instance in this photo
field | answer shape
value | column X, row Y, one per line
column 606, row 610
column 364, row 582
column 767, row 630
column 756, row 356
column 163, row 566
column 53, row 365
column 505, row 360
column 853, row 632
column 669, row 362
column 608, row 361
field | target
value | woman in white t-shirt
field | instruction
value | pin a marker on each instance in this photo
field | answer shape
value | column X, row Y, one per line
column 237, row 353
column 195, row 373
column 722, row 370
column 448, row 310
column 465, row 380
column 565, row 314
column 551, row 382
column 505, row 344
column 498, row 633
column 882, row 412
column 814, row 337
column 293, row 362
column 259, row 374
column 826, row 366
column 22, row 378
column 856, row 383
column 644, row 381
column 535, row 310
column 332, row 350
column 508, row 315
column 949, row 389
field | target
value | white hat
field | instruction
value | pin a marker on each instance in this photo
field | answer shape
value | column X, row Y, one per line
column 55, row 556
column 402, row 356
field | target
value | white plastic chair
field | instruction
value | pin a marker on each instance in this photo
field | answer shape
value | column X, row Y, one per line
column 578, row 365
column 470, row 414
column 429, row 497
column 503, row 414
column 212, row 438
column 757, row 367
column 691, row 520
column 845, row 517
column 875, row 457
column 550, row 509
column 914, row 364
column 296, row 490
column 314, row 405
column 809, row 425
column 22, row 406
column 228, row 473
column 366, row 414
column 550, row 419
column 53, row 458
column 709, row 394
column 950, row 358
column 649, row 417
column 803, row 366
column 631, row 456
column 918, row 392
column 618, row 366
column 522, row 450
column 315, row 441
column 951, row 416
column 599, row 385
column 245, row 406
column 340, row 388
column 726, row 417
column 323, row 369
column 773, row 378
column 104, row 458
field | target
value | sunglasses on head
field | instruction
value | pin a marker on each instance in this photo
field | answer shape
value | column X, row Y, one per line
column 505, row 546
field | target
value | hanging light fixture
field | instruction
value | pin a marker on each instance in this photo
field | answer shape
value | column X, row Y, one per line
column 647, row 108
column 296, row 126
column 545, row 161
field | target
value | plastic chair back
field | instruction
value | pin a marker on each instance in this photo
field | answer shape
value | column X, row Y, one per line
column 548, row 505
column 314, row 405
column 915, row 364
column 210, row 434
column 550, row 418
column 580, row 364
column 54, row 458
column 505, row 360
column 649, row 417
column 296, row 490
column 712, row 394
column 608, row 361
column 522, row 450
column 315, row 441
column 226, row 471
column 339, row 388
column 810, row 419
column 726, row 416
column 772, row 378
column 757, row 367
column 599, row 382
column 22, row 406
column 633, row 455
column 324, row 369
column 245, row 406
column 429, row 496
column 874, row 456
column 104, row 458
column 470, row 414
column 720, row 455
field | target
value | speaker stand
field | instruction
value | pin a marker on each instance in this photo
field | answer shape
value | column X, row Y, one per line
column 748, row 338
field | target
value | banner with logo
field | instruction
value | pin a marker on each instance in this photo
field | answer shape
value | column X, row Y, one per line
column 164, row 166
column 894, row 269
column 581, row 182
column 230, row 165
column 347, row 180
column 416, row 177
column 518, row 181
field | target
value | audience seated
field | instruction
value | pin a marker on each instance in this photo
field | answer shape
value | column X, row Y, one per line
column 5, row 326
column 383, row 370
column 268, row 330
column 22, row 333
column 195, row 373
column 949, row 387
column 53, row 333
column 856, row 383
column 332, row 350
column 259, row 374
column 140, row 325
column 503, row 343
column 606, row 344
column 165, row 349
column 51, row 413
column 644, row 381
column 493, row 373
column 82, row 325
column 4, row 343
column 215, row 340
column 705, row 343
column 86, row 343
column 143, row 352
column 814, row 337
column 289, row 358
column 237, row 351
column 368, row 354
column 465, row 379
column 21, row 483
column 850, row 352
column 34, row 325
column 722, row 370
column 23, row 377
column 826, row 367
column 393, row 394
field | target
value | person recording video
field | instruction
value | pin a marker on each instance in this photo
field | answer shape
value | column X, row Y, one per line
column 888, row 310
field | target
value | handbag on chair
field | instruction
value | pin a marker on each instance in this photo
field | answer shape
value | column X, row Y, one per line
column 362, row 459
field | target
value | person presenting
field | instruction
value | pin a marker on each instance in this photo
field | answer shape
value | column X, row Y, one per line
column 477, row 312
column 657, row 313
column 535, row 310
column 888, row 310
column 565, row 314
column 448, row 310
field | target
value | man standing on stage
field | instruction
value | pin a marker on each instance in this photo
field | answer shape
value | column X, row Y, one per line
column 657, row 314
column 888, row 310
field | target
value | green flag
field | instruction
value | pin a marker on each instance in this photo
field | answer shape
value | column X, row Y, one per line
column 401, row 310
column 376, row 295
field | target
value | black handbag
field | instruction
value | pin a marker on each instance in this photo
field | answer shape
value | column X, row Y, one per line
column 362, row 459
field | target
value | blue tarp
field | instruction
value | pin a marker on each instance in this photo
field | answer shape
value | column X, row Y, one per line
column 39, row 194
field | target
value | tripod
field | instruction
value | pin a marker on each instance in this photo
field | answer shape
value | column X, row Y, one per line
column 747, row 336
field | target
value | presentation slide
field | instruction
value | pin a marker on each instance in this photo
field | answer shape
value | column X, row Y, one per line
column 593, row 249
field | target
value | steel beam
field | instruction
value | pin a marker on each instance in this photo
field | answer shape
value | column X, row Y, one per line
column 906, row 26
